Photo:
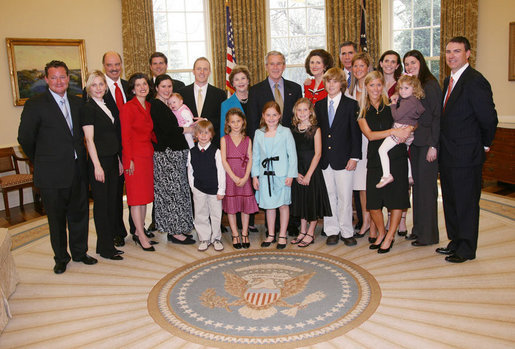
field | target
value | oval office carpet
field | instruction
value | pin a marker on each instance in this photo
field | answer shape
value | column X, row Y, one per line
column 262, row 298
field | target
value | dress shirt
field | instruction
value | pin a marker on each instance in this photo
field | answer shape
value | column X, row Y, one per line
column 455, row 77
column 112, row 88
column 280, row 85
column 102, row 105
column 66, row 103
column 336, row 102
column 219, row 169
column 196, row 88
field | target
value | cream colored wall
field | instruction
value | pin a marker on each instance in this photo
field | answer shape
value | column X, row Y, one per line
column 98, row 22
column 492, row 53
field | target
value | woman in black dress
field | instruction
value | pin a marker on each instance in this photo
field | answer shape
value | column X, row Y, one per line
column 172, row 198
column 105, row 167
column 375, row 120
column 424, row 154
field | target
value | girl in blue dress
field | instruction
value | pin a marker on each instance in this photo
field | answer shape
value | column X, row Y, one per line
column 274, row 165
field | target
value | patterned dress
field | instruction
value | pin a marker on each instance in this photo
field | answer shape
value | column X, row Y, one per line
column 238, row 199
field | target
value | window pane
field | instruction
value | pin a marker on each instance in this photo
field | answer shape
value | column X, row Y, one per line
column 315, row 42
column 158, row 5
column 434, row 67
column 278, row 23
column 177, row 26
column 194, row 5
column 297, row 22
column 316, row 21
column 174, row 5
column 422, row 41
column 298, row 50
column 402, row 14
column 278, row 4
column 402, row 41
column 195, row 25
column 160, row 26
column 177, row 56
column 280, row 44
column 316, row 2
column 436, row 42
column 422, row 13
column 187, row 78
column 296, row 3
column 436, row 12
column 195, row 50
column 296, row 74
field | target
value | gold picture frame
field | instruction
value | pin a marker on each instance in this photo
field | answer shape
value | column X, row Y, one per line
column 27, row 60
column 511, row 68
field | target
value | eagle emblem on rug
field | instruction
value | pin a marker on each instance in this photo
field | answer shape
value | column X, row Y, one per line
column 260, row 289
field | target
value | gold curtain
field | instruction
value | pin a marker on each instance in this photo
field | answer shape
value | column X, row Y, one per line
column 458, row 18
column 249, row 24
column 138, row 35
column 343, row 22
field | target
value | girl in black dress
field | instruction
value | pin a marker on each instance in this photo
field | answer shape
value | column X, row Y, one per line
column 309, row 194
column 375, row 120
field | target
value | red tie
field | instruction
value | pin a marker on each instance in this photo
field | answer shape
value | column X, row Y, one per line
column 118, row 96
column 202, row 150
column 449, row 90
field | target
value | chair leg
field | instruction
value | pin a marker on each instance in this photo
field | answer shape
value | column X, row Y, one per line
column 6, row 204
column 21, row 199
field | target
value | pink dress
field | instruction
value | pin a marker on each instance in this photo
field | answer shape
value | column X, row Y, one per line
column 238, row 199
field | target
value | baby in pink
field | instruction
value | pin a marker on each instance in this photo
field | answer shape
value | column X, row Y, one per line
column 183, row 115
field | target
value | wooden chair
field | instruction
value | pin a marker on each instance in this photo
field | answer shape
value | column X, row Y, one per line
column 17, row 181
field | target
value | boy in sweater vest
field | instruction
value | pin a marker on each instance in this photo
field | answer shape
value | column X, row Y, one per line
column 206, row 176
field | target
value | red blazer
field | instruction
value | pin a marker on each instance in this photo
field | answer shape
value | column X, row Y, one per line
column 137, row 131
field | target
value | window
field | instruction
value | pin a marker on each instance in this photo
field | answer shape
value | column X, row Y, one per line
column 181, row 34
column 296, row 28
column 416, row 25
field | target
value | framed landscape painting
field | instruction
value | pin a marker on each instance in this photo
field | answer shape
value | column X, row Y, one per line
column 27, row 60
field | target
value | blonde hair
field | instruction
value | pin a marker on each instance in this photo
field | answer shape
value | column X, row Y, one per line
column 91, row 77
column 268, row 105
column 235, row 111
column 337, row 74
column 312, row 117
column 364, row 102
column 205, row 125
column 177, row 95
column 414, row 82
column 362, row 56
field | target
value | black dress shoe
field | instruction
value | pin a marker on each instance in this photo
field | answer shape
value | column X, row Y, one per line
column 416, row 243
column 454, row 258
column 411, row 237
column 60, row 267
column 119, row 252
column 332, row 240
column 253, row 229
column 444, row 250
column 149, row 234
column 402, row 233
column 119, row 241
column 349, row 241
column 86, row 260
column 372, row 239
column 114, row 257
column 187, row 241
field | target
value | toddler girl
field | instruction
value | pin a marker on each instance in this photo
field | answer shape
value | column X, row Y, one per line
column 183, row 115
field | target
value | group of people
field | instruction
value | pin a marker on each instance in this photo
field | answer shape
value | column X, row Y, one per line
column 358, row 132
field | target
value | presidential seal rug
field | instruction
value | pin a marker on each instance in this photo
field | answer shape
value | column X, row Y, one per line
column 259, row 299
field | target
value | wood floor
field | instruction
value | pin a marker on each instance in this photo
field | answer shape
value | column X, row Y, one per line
column 426, row 302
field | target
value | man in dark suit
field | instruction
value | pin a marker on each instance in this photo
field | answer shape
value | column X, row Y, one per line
column 468, row 125
column 51, row 135
column 274, row 87
column 158, row 65
column 203, row 99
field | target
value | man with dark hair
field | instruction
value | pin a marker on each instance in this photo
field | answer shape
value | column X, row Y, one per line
column 158, row 65
column 468, row 126
column 51, row 135
column 347, row 51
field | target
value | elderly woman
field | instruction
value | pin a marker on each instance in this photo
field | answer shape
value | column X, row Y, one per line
column 316, row 64
column 137, row 136
column 423, row 154
column 171, row 189
column 104, row 149
column 361, row 66
column 390, row 66
column 375, row 120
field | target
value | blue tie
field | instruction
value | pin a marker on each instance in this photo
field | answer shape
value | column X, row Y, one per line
column 331, row 112
column 66, row 114
column 348, row 80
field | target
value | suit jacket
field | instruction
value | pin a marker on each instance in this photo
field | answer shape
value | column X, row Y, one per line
column 211, row 108
column 283, row 147
column 45, row 137
column 469, row 121
column 106, row 133
column 427, row 132
column 341, row 141
column 261, row 93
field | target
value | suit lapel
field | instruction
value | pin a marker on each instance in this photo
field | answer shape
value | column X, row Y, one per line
column 193, row 106
column 105, row 117
column 457, row 88
column 74, row 108
column 58, row 113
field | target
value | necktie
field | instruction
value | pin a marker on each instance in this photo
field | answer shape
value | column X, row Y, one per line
column 202, row 150
column 278, row 98
column 118, row 96
column 348, row 79
column 449, row 90
column 200, row 103
column 331, row 112
column 67, row 116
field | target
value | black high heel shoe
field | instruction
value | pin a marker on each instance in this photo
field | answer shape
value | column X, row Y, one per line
column 268, row 243
column 281, row 246
column 386, row 250
column 152, row 242
column 136, row 240
column 236, row 245
column 245, row 242
column 358, row 235
column 376, row 247
column 372, row 239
